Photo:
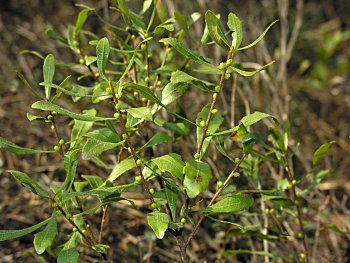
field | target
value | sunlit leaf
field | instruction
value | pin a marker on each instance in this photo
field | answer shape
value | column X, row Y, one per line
column 158, row 222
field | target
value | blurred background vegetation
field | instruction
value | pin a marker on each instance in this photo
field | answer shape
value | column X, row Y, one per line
column 308, row 85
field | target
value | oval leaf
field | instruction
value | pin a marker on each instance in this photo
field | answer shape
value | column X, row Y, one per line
column 102, row 51
column 48, row 73
column 159, row 223
column 197, row 177
column 44, row 239
column 29, row 183
column 230, row 204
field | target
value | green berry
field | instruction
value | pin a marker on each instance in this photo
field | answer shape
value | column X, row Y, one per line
column 108, row 90
column 61, row 142
column 133, row 37
column 50, row 117
column 139, row 162
column 78, row 51
column 202, row 123
column 236, row 174
column 296, row 202
column 229, row 62
column 219, row 184
column 75, row 43
column 118, row 106
column 197, row 156
column 83, row 231
column 147, row 79
column 149, row 55
column 124, row 136
column 227, row 75
column 302, row 256
column 214, row 111
column 222, row 66
column 298, row 194
column 146, row 35
column 183, row 220
column 143, row 46
column 267, row 211
column 116, row 115
column 143, row 99
column 217, row 88
column 300, row 235
column 81, row 61
column 289, row 186
column 52, row 128
column 138, row 178
column 56, row 148
column 128, row 29
column 74, row 229
column 146, row 67
column 159, row 83
column 129, row 149
column 97, row 74
column 294, row 182
column 54, row 113
column 272, row 211
column 154, row 206
column 136, row 93
column 151, row 191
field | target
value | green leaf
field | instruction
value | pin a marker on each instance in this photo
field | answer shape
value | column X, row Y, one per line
column 197, row 177
column 254, row 118
column 70, row 163
column 46, row 105
column 279, row 200
column 171, row 163
column 157, row 139
column 259, row 38
column 77, row 91
column 145, row 91
column 320, row 153
column 235, row 25
column 214, row 125
column 80, row 128
column 94, row 147
column 29, row 183
column 48, row 73
column 11, row 147
column 146, row 6
column 11, row 234
column 123, row 7
column 230, row 204
column 143, row 113
column 32, row 117
column 70, row 255
column 162, row 14
column 219, row 144
column 158, row 222
column 215, row 29
column 122, row 167
column 176, row 44
column 172, row 196
column 94, row 181
column 102, row 51
column 44, row 239
column 250, row 73
column 81, row 19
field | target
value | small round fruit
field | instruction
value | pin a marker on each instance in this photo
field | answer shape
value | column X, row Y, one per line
column 217, row 88
column 229, row 62
column 136, row 93
column 151, row 191
column 296, row 202
column 133, row 37
column 54, row 113
column 150, row 56
column 147, row 79
column 75, row 43
column 202, row 123
column 214, row 111
column 300, row 235
column 272, row 211
column 129, row 149
column 138, row 178
column 61, row 142
column 159, row 83
column 124, row 136
column 143, row 46
column 236, row 174
column 116, row 115
column 298, row 194
column 146, row 35
column 108, row 90
column 56, row 148
column 52, row 127
column 81, row 61
column 118, row 106
column 128, row 29
column 154, row 206
column 267, row 211
column 222, row 66
column 74, row 229
column 50, row 117
column 146, row 67
column 302, row 256
column 143, row 99
column 183, row 220
column 97, row 74
column 197, row 156
column 139, row 162
column 294, row 182
column 227, row 75
column 219, row 184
